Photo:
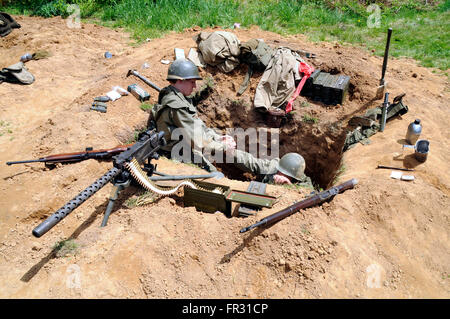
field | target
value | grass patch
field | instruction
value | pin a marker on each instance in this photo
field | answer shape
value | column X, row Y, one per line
column 146, row 107
column 65, row 248
column 304, row 230
column 305, row 104
column 310, row 119
column 240, row 103
column 5, row 128
column 420, row 28
column 135, row 137
column 297, row 187
column 140, row 200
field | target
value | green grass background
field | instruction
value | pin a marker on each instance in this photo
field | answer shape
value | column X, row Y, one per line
column 420, row 28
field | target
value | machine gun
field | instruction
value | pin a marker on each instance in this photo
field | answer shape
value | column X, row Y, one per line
column 144, row 149
column 126, row 165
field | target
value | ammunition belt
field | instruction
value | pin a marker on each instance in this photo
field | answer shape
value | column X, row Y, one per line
column 141, row 177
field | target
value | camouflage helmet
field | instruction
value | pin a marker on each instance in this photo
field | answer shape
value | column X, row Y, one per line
column 182, row 69
column 292, row 165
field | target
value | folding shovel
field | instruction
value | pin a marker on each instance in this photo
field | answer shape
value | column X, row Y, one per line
column 382, row 86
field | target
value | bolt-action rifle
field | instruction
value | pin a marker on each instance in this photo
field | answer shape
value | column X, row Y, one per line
column 311, row 201
column 144, row 149
column 78, row 156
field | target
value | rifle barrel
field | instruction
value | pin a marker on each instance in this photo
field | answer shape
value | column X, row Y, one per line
column 181, row 177
column 314, row 200
column 22, row 162
column 260, row 223
column 78, row 156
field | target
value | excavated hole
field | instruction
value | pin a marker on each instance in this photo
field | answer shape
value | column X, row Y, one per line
column 310, row 131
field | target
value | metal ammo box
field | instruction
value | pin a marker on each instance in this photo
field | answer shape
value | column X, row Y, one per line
column 326, row 88
column 211, row 198
column 138, row 92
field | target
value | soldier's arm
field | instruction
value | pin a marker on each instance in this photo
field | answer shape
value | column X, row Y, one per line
column 247, row 162
column 194, row 129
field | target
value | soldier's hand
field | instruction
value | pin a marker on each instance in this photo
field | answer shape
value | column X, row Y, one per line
column 229, row 142
column 281, row 179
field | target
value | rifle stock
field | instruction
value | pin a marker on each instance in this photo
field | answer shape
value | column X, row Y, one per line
column 311, row 201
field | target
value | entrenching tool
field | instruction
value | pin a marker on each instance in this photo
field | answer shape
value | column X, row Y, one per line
column 143, row 78
column 382, row 86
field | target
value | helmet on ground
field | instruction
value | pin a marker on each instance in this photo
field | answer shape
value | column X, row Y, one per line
column 292, row 165
column 182, row 69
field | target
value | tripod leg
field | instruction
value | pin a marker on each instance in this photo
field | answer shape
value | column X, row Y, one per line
column 110, row 206
column 117, row 189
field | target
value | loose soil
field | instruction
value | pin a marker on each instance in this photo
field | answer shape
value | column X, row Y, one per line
column 386, row 238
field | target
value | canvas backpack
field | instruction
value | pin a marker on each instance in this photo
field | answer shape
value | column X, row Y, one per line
column 220, row 49
column 256, row 54
column 7, row 23
column 16, row 73
column 368, row 124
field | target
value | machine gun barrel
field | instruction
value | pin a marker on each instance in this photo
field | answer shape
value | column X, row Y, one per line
column 56, row 217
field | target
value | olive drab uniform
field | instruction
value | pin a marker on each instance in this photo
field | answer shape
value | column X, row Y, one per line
column 265, row 169
column 174, row 110
column 278, row 80
column 304, row 182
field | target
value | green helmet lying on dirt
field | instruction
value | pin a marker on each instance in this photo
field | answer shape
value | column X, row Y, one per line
column 292, row 165
column 183, row 69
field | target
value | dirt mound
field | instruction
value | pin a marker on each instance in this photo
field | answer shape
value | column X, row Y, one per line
column 384, row 239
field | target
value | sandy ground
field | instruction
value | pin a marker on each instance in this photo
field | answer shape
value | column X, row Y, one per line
column 386, row 238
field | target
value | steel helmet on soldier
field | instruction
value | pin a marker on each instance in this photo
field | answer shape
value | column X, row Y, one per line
column 292, row 165
column 182, row 69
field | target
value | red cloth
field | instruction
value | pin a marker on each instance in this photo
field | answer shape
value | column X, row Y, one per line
column 307, row 71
